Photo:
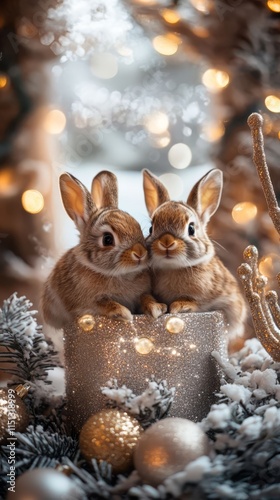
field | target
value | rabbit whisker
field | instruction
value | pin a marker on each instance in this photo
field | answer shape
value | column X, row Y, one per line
column 219, row 245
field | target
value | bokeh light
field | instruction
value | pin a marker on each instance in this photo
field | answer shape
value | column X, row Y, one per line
column 213, row 131
column 157, row 122
column 269, row 265
column 7, row 182
column 165, row 45
column 180, row 155
column 125, row 51
column 215, row 79
column 173, row 183
column 274, row 5
column 244, row 212
column 104, row 65
column 170, row 16
column 54, row 122
column 32, row 201
column 3, row 80
column 146, row 2
column 272, row 103
column 160, row 141
column 26, row 28
column 202, row 5
column 200, row 31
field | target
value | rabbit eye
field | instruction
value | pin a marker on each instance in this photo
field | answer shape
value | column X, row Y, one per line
column 151, row 230
column 191, row 229
column 108, row 240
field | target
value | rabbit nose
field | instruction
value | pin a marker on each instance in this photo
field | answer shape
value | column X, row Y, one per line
column 167, row 242
column 138, row 251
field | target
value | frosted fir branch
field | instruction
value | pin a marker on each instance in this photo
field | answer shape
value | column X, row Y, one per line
column 152, row 405
column 96, row 483
column 28, row 354
column 253, row 380
column 39, row 448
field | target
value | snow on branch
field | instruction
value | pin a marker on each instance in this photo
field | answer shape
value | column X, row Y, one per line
column 27, row 355
column 150, row 406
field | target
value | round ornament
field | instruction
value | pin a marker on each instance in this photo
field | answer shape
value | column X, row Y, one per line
column 86, row 322
column 14, row 416
column 167, row 447
column 175, row 325
column 44, row 484
column 110, row 435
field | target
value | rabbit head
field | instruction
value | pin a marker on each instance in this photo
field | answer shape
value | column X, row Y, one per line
column 178, row 236
column 111, row 241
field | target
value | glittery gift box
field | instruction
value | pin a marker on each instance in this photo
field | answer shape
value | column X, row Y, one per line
column 176, row 348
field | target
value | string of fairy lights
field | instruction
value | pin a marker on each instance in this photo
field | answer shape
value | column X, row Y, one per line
column 156, row 123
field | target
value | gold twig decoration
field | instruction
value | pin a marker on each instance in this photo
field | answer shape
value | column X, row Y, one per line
column 264, row 306
column 255, row 122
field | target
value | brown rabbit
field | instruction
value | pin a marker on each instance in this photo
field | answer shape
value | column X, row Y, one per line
column 186, row 273
column 107, row 272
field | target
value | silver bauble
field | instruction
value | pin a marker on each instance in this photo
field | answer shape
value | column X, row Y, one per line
column 167, row 447
column 44, row 484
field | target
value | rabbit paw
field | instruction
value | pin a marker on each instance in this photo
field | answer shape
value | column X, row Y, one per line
column 182, row 306
column 122, row 313
column 156, row 309
column 150, row 306
column 114, row 310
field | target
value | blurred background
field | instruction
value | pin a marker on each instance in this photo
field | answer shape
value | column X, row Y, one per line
column 123, row 86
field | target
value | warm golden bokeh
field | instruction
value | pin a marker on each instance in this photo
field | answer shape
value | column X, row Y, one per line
column 215, row 79
column 32, row 201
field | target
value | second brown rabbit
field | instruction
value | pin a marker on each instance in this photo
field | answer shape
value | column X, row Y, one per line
column 186, row 273
column 107, row 272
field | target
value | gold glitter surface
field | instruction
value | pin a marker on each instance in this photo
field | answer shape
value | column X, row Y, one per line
column 13, row 414
column 184, row 360
column 110, row 435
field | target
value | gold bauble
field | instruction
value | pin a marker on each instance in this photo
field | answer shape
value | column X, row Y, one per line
column 110, row 435
column 14, row 416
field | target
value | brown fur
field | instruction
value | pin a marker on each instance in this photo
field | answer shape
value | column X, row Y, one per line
column 186, row 273
column 92, row 277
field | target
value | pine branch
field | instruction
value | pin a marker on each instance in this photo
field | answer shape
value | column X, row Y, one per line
column 40, row 448
column 96, row 483
column 152, row 405
column 27, row 351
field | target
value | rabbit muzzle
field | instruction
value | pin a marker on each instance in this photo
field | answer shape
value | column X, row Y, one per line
column 167, row 244
column 139, row 253
column 166, row 247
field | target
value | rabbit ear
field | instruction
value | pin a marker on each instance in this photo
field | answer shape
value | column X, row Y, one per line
column 155, row 192
column 205, row 196
column 76, row 199
column 104, row 190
